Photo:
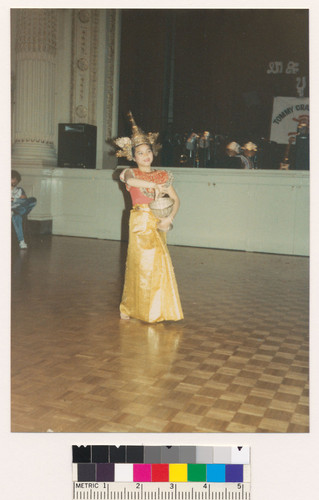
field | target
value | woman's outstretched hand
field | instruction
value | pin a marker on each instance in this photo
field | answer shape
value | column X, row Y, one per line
column 160, row 190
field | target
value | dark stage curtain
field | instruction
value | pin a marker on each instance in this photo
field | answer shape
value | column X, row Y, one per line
column 208, row 67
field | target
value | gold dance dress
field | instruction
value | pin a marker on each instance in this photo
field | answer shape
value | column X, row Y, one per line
column 150, row 290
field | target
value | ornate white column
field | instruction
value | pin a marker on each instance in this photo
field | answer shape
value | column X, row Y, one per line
column 35, row 47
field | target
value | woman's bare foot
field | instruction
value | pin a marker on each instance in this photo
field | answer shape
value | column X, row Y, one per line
column 124, row 316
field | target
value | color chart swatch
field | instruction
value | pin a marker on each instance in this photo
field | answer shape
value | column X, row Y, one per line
column 159, row 472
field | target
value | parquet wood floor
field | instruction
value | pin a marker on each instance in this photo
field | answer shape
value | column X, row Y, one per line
column 238, row 362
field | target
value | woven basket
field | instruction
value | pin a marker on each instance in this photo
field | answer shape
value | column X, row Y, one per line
column 162, row 207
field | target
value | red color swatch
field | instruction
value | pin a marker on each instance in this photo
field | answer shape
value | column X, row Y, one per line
column 160, row 473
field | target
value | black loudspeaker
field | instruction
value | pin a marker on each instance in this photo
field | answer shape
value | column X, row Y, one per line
column 229, row 162
column 77, row 145
column 269, row 154
column 302, row 152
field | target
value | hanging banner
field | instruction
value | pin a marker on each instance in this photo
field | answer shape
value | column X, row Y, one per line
column 287, row 113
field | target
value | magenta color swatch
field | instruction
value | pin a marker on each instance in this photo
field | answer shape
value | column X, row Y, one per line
column 142, row 473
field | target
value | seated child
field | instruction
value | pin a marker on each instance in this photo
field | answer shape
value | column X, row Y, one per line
column 20, row 206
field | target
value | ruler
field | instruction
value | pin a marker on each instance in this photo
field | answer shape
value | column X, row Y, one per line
column 108, row 472
column 160, row 491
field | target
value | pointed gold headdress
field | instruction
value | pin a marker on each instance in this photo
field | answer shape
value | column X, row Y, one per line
column 138, row 137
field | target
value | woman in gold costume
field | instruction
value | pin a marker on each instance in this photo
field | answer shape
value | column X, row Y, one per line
column 150, row 290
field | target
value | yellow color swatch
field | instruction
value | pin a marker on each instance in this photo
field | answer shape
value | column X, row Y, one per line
column 177, row 473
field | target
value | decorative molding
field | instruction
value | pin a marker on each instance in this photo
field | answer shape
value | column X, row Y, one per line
column 84, row 16
column 81, row 111
column 84, row 65
column 36, row 32
column 110, row 70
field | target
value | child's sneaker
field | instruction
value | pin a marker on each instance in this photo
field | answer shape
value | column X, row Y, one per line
column 22, row 244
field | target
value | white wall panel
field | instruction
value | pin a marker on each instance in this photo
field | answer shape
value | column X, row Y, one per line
column 261, row 211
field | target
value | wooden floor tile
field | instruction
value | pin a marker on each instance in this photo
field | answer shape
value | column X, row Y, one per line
column 238, row 362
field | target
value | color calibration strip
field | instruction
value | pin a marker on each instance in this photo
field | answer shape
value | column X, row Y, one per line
column 161, row 472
